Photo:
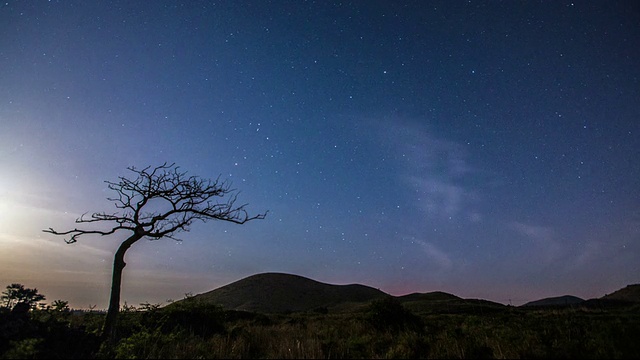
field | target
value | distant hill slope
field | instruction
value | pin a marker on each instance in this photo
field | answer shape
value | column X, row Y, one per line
column 627, row 295
column 281, row 293
column 432, row 296
column 630, row 293
column 566, row 300
column 444, row 303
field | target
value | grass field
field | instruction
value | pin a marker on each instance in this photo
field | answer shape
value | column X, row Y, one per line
column 383, row 328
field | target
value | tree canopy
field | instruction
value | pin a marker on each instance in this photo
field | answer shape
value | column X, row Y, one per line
column 17, row 294
column 162, row 201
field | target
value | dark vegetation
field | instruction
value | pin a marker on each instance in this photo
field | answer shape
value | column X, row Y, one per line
column 432, row 325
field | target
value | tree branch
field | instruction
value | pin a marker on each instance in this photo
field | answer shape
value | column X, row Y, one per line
column 75, row 233
column 184, row 199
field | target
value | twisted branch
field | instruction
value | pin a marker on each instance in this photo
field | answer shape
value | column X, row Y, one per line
column 159, row 202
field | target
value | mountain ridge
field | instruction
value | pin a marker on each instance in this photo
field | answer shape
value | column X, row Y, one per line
column 277, row 292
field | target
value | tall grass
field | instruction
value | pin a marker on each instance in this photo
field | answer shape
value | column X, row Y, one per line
column 381, row 330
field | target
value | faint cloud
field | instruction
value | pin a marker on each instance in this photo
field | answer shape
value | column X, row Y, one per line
column 537, row 233
column 633, row 227
column 434, row 169
column 440, row 197
column 544, row 247
column 475, row 217
column 439, row 257
column 588, row 254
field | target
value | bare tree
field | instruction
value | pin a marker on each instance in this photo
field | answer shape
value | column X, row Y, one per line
column 157, row 203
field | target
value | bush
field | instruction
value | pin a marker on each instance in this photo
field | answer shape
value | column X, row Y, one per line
column 195, row 317
column 145, row 345
column 388, row 314
column 43, row 334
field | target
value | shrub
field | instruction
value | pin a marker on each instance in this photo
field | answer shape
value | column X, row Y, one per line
column 388, row 314
column 195, row 317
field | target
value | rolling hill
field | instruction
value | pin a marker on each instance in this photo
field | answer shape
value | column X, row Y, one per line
column 282, row 293
column 441, row 302
column 630, row 293
column 566, row 300
column 626, row 296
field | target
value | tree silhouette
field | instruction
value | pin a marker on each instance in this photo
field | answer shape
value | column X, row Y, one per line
column 157, row 203
column 18, row 295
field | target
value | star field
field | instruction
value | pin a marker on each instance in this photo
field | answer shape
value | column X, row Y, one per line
column 483, row 148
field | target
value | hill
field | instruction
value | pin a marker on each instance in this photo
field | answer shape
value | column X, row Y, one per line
column 630, row 293
column 442, row 303
column 566, row 300
column 282, row 293
column 626, row 296
column 431, row 296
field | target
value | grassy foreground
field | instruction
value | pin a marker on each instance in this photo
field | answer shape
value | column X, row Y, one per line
column 382, row 329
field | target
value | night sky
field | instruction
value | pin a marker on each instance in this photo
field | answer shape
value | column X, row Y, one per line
column 486, row 149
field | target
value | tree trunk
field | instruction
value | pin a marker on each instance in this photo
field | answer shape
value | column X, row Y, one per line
column 109, row 329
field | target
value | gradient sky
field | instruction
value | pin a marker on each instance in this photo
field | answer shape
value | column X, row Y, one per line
column 486, row 149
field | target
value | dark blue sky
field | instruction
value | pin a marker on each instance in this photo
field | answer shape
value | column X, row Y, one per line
column 484, row 148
